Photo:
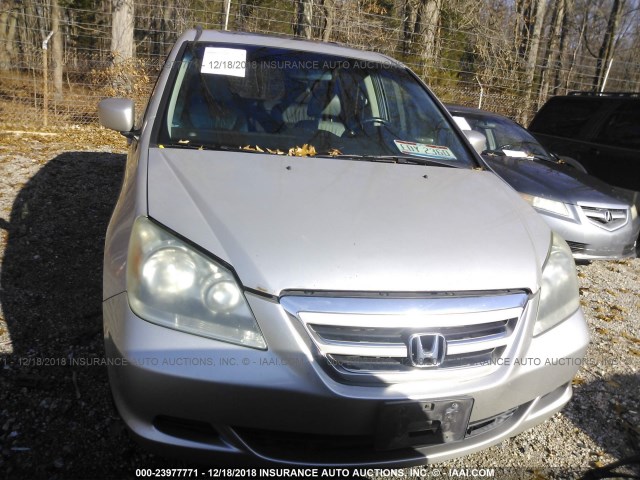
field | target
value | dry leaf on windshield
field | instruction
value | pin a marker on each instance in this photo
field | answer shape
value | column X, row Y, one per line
column 249, row 148
column 305, row 151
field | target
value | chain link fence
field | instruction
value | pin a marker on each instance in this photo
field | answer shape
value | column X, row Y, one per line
column 472, row 58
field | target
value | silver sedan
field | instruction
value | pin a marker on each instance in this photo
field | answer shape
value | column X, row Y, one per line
column 597, row 220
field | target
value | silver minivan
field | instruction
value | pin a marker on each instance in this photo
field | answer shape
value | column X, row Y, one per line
column 308, row 265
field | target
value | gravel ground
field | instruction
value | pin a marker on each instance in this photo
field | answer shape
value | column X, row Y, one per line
column 57, row 420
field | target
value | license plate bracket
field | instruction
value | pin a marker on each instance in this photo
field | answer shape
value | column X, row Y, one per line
column 406, row 423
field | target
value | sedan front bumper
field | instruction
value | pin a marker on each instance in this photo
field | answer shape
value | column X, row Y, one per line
column 588, row 241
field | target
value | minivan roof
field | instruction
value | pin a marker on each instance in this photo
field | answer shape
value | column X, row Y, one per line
column 287, row 42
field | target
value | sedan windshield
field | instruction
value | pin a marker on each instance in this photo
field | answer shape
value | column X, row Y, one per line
column 281, row 101
column 503, row 136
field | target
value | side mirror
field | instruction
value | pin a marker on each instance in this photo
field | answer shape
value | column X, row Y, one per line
column 117, row 114
column 477, row 140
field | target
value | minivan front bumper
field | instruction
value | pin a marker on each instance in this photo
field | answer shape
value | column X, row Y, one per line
column 185, row 395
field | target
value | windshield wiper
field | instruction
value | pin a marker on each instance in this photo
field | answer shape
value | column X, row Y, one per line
column 402, row 159
column 406, row 159
column 527, row 156
column 493, row 153
column 199, row 146
column 345, row 156
column 542, row 158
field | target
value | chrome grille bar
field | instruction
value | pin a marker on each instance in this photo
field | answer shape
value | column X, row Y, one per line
column 370, row 335
column 409, row 319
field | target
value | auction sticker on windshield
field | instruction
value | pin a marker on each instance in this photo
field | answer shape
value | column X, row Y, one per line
column 224, row 61
column 424, row 150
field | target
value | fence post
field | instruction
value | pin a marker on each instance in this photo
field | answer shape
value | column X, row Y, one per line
column 481, row 92
column 606, row 76
column 227, row 9
column 45, row 78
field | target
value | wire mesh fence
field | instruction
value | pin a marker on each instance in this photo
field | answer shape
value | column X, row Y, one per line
column 491, row 53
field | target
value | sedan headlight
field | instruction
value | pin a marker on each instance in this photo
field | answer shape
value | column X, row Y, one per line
column 547, row 205
column 172, row 284
column 559, row 295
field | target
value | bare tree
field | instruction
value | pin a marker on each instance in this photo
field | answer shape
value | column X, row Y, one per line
column 606, row 49
column 122, row 30
column 531, row 20
column 245, row 12
column 574, row 64
column 427, row 28
column 421, row 19
column 538, row 11
column 409, row 15
column 8, row 21
column 495, row 59
column 560, row 70
column 304, row 18
column 56, row 50
column 553, row 49
column 514, row 52
column 523, row 25
column 329, row 17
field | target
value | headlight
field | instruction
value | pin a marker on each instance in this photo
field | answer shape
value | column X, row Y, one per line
column 559, row 296
column 547, row 205
column 171, row 284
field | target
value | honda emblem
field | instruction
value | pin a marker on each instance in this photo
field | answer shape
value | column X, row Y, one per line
column 427, row 349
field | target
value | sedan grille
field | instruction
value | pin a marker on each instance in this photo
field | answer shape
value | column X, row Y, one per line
column 577, row 247
column 607, row 218
column 360, row 337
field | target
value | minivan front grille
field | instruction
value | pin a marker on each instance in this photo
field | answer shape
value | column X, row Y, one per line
column 361, row 337
column 364, row 364
column 466, row 345
column 607, row 218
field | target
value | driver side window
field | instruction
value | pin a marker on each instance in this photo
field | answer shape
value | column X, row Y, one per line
column 410, row 120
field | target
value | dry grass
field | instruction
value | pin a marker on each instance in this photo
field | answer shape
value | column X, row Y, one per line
column 42, row 143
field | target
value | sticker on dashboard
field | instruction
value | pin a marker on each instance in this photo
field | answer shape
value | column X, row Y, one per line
column 424, row 150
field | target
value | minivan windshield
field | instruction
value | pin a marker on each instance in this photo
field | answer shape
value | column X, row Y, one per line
column 283, row 101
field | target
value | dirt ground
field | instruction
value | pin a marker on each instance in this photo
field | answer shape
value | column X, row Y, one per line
column 56, row 417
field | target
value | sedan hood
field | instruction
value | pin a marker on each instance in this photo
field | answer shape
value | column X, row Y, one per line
column 547, row 179
column 343, row 225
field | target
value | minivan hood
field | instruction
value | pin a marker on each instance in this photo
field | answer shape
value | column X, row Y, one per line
column 550, row 180
column 343, row 225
